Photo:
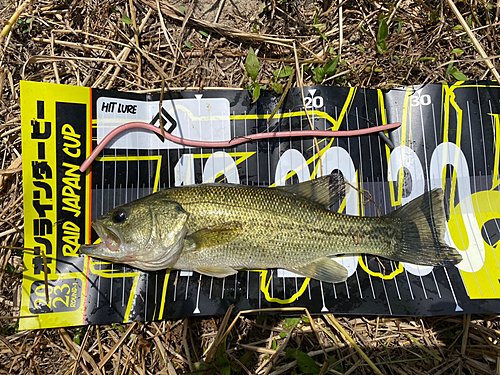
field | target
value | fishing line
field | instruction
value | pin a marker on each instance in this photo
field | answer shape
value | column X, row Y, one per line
column 232, row 142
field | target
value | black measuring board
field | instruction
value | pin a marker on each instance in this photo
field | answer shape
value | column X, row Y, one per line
column 449, row 138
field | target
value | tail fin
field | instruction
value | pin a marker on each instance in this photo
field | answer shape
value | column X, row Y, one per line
column 423, row 228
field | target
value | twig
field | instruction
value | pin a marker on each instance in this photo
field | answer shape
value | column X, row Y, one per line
column 147, row 57
column 121, row 57
column 341, row 329
column 341, row 28
column 164, row 28
column 13, row 19
column 212, row 350
column 136, row 34
column 226, row 31
column 283, row 96
column 393, row 12
column 82, row 346
column 185, row 344
column 117, row 345
column 181, row 35
column 219, row 10
column 475, row 42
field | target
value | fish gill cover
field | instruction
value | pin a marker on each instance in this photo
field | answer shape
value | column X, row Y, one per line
column 449, row 139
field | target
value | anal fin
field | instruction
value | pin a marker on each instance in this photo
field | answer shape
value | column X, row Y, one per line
column 323, row 269
column 216, row 271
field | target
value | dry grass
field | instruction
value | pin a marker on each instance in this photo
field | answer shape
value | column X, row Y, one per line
column 87, row 43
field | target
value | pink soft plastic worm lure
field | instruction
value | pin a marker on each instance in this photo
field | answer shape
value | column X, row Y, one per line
column 232, row 142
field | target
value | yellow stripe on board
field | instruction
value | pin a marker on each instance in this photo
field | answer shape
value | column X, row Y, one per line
column 156, row 158
column 282, row 115
column 264, row 287
column 107, row 273
column 164, row 295
column 496, row 118
column 392, row 275
column 450, row 101
column 131, row 299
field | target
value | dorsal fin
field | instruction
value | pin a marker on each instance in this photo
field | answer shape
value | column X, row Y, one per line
column 326, row 190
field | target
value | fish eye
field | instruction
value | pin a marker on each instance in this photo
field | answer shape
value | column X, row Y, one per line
column 119, row 216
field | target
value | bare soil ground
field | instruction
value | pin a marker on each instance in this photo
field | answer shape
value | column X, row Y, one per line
column 126, row 45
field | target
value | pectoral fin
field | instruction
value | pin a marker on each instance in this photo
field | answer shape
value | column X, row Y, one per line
column 214, row 236
column 216, row 271
column 323, row 269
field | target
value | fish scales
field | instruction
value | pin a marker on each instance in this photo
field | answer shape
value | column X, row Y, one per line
column 277, row 228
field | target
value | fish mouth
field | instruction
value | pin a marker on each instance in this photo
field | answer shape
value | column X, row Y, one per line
column 110, row 242
column 108, row 236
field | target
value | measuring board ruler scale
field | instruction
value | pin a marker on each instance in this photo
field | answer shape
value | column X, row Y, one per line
column 449, row 138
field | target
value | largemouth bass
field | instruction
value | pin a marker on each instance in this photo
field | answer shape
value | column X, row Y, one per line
column 217, row 229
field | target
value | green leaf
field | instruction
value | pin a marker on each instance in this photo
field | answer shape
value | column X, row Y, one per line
column 283, row 335
column 400, row 25
column 316, row 16
column 382, row 47
column 78, row 335
column 458, row 75
column 450, row 66
column 200, row 366
column 274, row 345
column 256, row 93
column 305, row 363
column 203, row 33
column 291, row 322
column 427, row 59
column 262, row 6
column 126, row 19
column 383, row 31
column 278, row 88
column 261, row 319
column 457, row 51
column 282, row 73
column 225, row 369
column 331, row 67
column 181, row 8
column 360, row 48
column 188, row 45
column 118, row 327
column 331, row 361
column 319, row 26
column 252, row 64
column 247, row 358
column 458, row 27
column 319, row 74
